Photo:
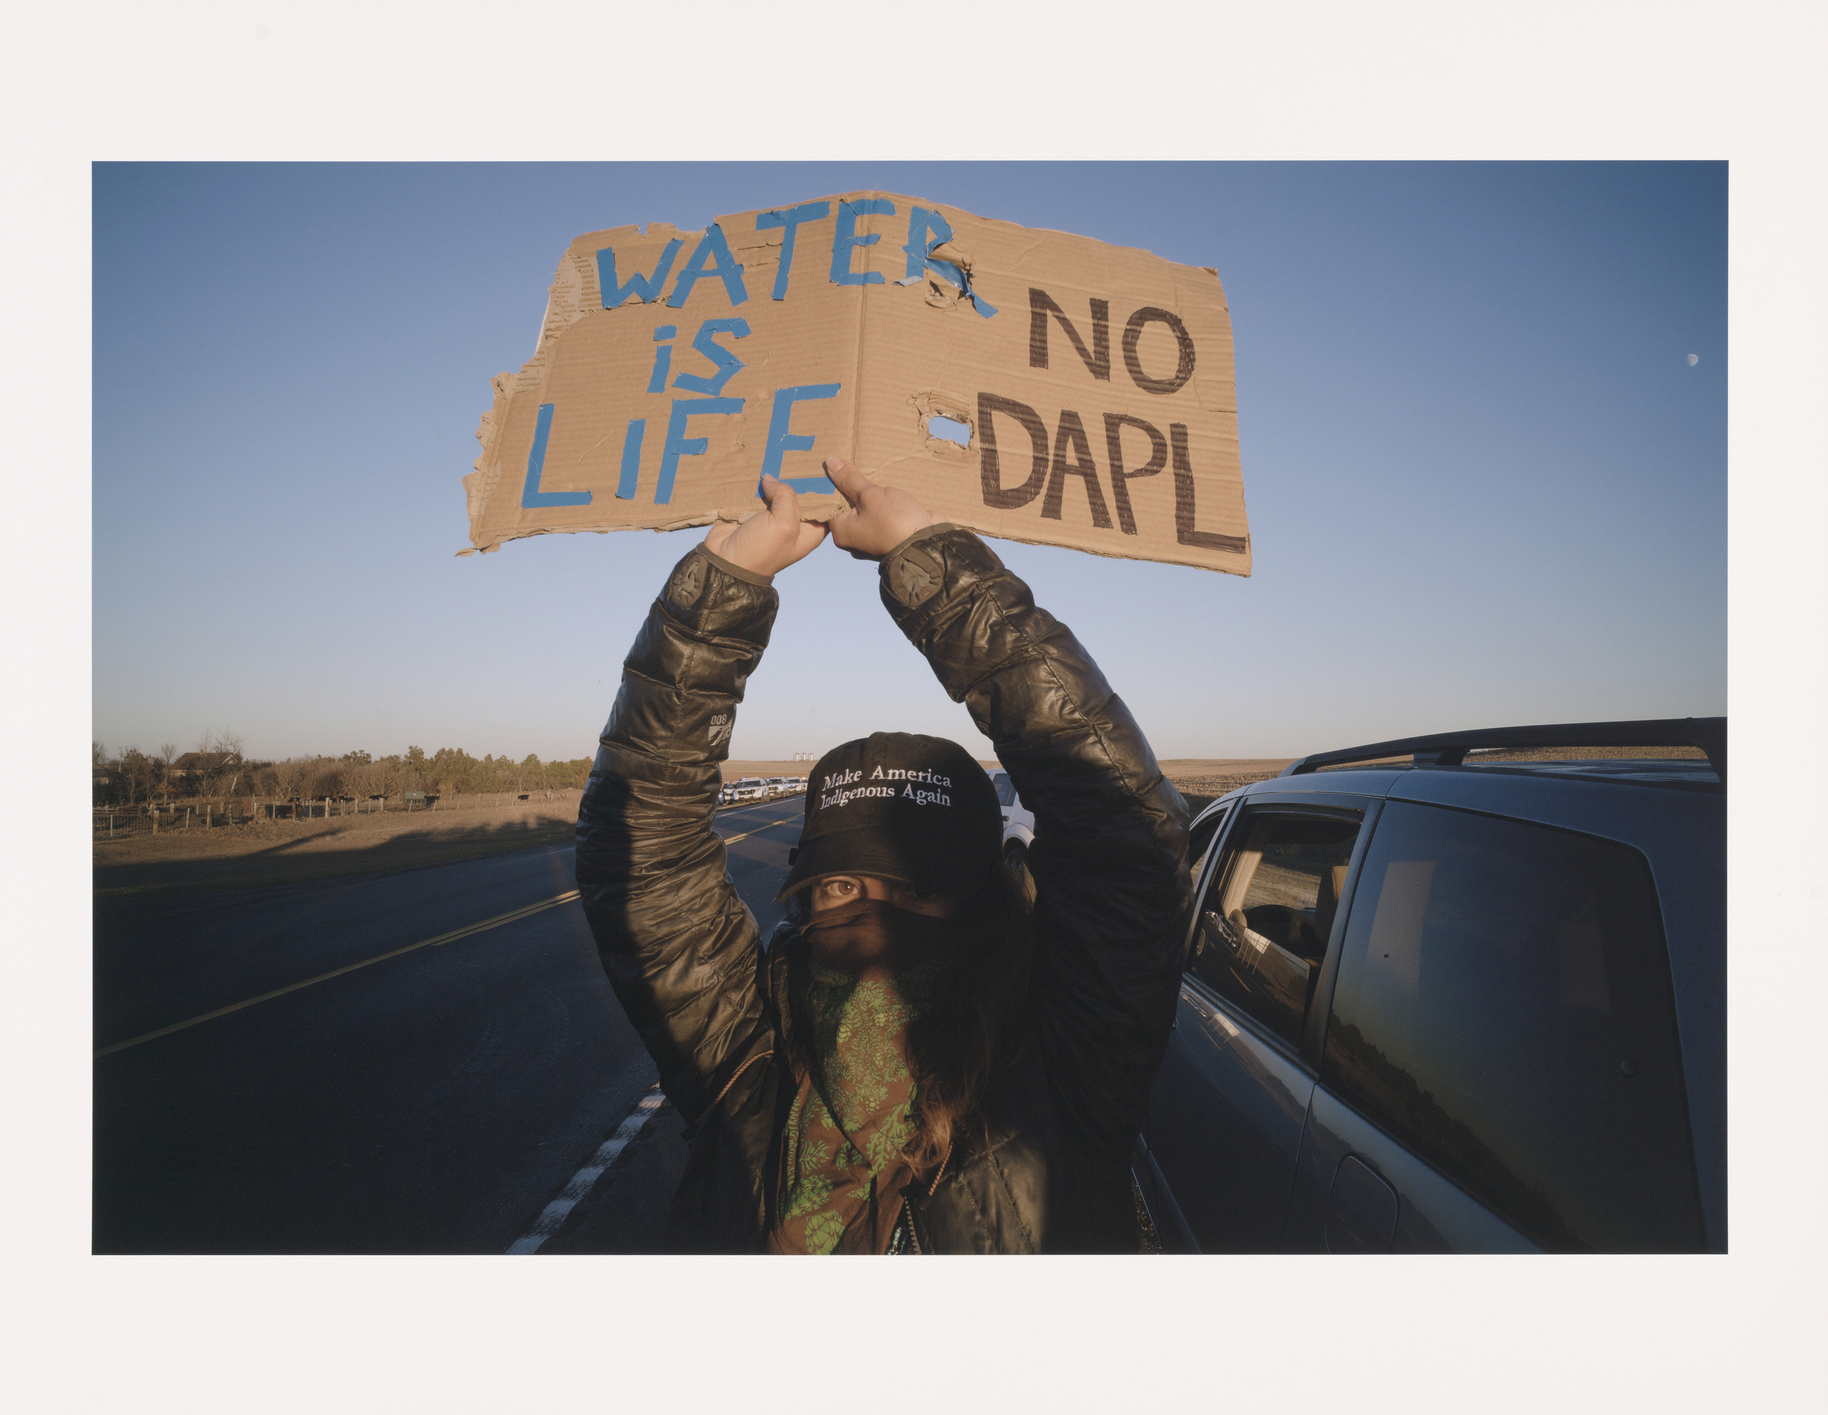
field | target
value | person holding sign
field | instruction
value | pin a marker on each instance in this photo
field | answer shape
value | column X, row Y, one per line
column 916, row 1062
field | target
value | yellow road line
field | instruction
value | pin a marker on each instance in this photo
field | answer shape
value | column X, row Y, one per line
column 732, row 839
column 450, row 937
column 798, row 798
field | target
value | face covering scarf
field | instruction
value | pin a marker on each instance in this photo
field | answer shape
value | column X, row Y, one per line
column 871, row 972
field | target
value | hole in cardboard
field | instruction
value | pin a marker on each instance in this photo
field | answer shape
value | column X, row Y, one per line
column 951, row 429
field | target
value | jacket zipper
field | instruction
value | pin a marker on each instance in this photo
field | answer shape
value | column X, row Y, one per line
column 907, row 1212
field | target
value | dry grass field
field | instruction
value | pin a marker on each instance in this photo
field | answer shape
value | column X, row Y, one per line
column 261, row 853
column 1214, row 776
column 1204, row 777
column 735, row 771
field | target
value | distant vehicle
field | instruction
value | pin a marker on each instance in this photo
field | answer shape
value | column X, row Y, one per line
column 777, row 787
column 749, row 788
column 1018, row 831
column 1474, row 1000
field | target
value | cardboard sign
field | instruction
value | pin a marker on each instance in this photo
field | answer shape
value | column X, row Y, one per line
column 1092, row 384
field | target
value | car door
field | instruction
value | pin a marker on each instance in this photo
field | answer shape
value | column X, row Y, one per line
column 1229, row 1105
column 1501, row 1069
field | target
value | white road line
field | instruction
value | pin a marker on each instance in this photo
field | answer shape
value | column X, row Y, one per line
column 554, row 1214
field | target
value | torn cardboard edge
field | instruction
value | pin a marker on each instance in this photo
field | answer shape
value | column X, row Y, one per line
column 827, row 313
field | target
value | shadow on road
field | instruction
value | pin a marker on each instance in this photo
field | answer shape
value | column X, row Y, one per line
column 248, row 864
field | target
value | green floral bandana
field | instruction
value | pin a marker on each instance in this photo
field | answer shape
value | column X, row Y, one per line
column 851, row 1119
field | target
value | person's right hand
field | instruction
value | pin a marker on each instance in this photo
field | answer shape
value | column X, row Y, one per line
column 767, row 542
column 879, row 517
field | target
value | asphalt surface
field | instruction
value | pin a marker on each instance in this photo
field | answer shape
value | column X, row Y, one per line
column 436, row 1101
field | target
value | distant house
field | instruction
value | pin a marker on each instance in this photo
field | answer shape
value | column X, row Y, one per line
column 197, row 763
column 214, row 770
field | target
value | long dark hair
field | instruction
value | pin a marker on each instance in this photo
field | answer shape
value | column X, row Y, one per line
column 972, row 1029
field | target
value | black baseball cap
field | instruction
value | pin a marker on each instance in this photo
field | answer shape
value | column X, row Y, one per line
column 903, row 807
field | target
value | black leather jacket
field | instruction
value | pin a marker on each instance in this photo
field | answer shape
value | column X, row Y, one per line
column 1048, row 1169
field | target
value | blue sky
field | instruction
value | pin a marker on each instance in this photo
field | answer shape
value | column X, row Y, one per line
column 1485, row 483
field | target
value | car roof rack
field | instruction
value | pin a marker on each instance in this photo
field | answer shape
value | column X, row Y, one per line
column 1450, row 748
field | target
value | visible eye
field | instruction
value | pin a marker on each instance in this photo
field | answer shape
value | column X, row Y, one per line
column 836, row 891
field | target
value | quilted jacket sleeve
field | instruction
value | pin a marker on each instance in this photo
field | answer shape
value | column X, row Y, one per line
column 681, row 949
column 1110, row 851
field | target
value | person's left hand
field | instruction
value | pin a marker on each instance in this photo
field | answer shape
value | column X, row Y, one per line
column 767, row 542
column 878, row 518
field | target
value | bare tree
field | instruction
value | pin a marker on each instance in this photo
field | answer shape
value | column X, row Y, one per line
column 138, row 772
column 325, row 778
column 233, row 763
column 289, row 777
column 202, row 778
column 366, row 779
column 219, row 760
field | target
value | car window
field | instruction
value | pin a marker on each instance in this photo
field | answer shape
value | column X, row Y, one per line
column 1262, row 926
column 1504, row 1008
column 1201, row 837
column 1006, row 790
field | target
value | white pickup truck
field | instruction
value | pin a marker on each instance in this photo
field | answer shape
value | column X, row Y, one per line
column 1018, row 830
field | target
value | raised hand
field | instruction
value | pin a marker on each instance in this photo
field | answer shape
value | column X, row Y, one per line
column 767, row 542
column 879, row 517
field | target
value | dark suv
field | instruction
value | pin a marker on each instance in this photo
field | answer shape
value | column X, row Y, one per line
column 1474, row 1000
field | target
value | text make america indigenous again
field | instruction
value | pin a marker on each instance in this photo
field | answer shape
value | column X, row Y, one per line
column 838, row 790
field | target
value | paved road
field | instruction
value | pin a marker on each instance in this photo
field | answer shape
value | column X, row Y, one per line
column 431, row 1102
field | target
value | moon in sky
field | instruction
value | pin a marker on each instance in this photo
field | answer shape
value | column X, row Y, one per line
column 1693, row 359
